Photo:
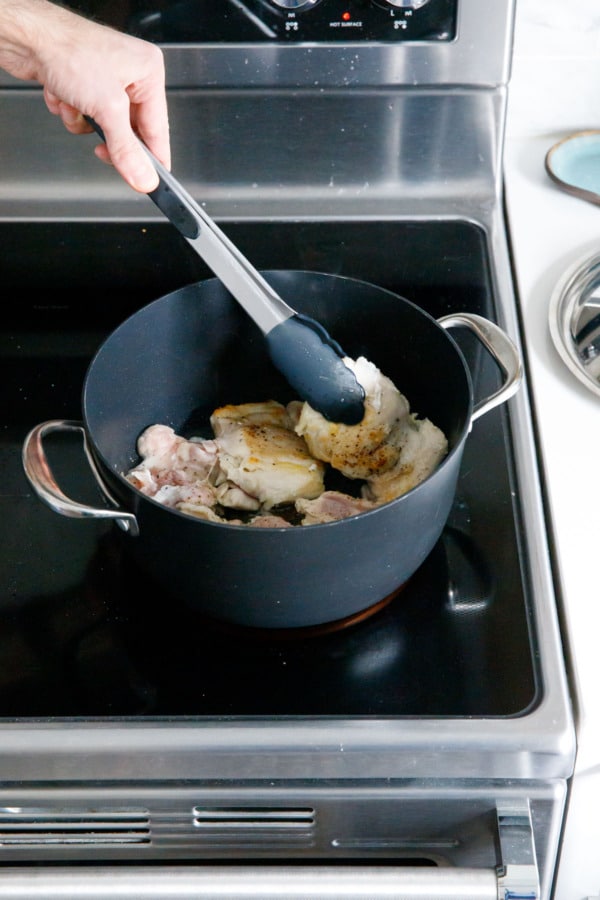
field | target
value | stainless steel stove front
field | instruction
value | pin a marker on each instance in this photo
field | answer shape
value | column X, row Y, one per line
column 392, row 829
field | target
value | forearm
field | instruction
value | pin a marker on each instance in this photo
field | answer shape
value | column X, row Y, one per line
column 24, row 27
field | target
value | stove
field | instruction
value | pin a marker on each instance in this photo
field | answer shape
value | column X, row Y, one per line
column 425, row 745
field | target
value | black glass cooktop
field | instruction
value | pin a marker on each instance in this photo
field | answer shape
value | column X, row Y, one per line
column 83, row 633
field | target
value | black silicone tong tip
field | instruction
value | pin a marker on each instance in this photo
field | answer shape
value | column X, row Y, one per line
column 313, row 364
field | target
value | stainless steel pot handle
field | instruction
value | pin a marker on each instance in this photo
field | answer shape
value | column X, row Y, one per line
column 39, row 473
column 500, row 347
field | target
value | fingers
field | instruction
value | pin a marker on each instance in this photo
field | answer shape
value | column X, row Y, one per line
column 139, row 184
column 71, row 118
column 123, row 109
column 144, row 114
column 125, row 152
column 148, row 110
column 122, row 148
column 150, row 121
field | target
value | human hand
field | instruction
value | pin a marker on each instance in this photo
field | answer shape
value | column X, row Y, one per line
column 88, row 69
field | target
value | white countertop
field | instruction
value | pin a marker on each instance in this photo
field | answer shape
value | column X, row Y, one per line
column 554, row 91
column 550, row 230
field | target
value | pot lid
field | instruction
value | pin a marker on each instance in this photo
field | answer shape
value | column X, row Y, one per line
column 575, row 320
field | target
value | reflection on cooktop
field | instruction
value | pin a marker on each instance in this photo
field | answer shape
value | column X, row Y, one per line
column 121, row 649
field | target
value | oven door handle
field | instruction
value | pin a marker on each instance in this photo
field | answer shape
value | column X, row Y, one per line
column 253, row 883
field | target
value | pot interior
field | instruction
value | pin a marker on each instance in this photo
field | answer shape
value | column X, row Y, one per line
column 176, row 360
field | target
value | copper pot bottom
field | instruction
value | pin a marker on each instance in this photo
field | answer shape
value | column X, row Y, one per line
column 309, row 631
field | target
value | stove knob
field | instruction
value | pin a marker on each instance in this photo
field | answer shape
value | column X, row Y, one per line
column 294, row 4
column 406, row 4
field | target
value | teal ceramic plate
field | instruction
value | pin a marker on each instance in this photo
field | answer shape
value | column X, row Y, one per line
column 574, row 165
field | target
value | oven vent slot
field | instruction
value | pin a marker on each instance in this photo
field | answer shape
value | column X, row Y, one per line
column 37, row 827
column 265, row 825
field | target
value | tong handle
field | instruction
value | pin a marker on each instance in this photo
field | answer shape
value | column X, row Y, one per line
column 261, row 302
column 302, row 350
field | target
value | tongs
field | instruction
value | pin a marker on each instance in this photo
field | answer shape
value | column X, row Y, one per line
column 302, row 350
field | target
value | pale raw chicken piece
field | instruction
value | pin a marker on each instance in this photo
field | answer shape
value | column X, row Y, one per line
column 200, row 494
column 261, row 455
column 143, row 479
column 157, row 441
column 269, row 521
column 422, row 447
column 230, row 495
column 330, row 507
column 358, row 451
column 168, row 459
column 201, row 512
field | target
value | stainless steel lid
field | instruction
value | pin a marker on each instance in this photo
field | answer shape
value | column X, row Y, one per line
column 575, row 320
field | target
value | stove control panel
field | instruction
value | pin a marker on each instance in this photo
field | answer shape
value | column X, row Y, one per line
column 319, row 21
column 352, row 20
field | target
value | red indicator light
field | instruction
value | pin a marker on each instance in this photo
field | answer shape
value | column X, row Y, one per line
column 345, row 16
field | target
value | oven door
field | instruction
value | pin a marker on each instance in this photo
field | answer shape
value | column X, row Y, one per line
column 465, row 831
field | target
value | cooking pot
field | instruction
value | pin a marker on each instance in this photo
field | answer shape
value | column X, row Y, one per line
column 176, row 360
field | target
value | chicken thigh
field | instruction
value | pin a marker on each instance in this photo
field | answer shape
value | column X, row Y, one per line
column 363, row 450
column 390, row 449
column 262, row 457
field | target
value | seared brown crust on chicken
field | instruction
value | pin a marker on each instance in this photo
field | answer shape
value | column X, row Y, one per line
column 422, row 448
column 260, row 455
column 390, row 449
column 363, row 450
column 269, row 413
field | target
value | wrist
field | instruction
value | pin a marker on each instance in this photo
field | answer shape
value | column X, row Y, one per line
column 24, row 27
